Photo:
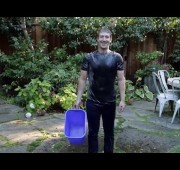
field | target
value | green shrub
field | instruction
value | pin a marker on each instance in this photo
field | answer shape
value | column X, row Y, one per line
column 38, row 94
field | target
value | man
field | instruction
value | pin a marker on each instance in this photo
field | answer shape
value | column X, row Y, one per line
column 101, row 67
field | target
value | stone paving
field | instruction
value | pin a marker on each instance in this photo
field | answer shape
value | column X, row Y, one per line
column 144, row 132
column 44, row 134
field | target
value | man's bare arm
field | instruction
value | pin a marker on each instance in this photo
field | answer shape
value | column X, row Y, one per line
column 81, row 86
column 121, row 85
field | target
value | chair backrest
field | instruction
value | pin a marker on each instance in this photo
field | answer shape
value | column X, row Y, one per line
column 175, row 80
column 158, row 84
column 164, row 75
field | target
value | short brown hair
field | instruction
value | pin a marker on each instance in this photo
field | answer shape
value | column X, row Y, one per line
column 104, row 29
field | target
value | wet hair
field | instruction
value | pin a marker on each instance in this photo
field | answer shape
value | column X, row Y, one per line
column 104, row 29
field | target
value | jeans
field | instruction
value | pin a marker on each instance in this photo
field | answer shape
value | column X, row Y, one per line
column 94, row 112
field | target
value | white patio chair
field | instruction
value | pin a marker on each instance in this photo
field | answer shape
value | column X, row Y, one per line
column 162, row 95
column 177, row 107
column 175, row 83
column 164, row 75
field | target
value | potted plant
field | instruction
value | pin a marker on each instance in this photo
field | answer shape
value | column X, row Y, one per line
column 150, row 63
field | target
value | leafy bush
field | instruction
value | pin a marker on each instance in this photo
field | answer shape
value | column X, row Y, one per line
column 69, row 97
column 23, row 64
column 137, row 93
column 38, row 94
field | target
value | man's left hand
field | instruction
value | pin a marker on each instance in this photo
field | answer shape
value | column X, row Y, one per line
column 121, row 106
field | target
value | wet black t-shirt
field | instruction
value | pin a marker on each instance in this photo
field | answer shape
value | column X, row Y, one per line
column 102, row 70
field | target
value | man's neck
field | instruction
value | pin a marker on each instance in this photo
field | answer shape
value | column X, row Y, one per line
column 105, row 51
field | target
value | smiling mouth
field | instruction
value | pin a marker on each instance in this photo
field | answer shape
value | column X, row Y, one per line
column 104, row 43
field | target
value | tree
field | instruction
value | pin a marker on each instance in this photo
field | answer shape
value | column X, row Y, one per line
column 17, row 26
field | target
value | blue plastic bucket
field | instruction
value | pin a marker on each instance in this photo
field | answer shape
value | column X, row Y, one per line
column 75, row 126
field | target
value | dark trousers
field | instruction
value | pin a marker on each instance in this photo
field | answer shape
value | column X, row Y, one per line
column 94, row 112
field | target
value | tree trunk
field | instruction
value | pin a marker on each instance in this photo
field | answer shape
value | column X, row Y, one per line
column 23, row 26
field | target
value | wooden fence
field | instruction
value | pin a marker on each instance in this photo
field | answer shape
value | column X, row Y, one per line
column 129, row 52
column 132, row 63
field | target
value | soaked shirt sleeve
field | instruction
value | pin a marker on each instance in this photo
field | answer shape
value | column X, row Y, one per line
column 120, row 65
column 85, row 63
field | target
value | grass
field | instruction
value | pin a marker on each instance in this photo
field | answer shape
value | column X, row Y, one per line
column 175, row 150
column 175, row 133
column 121, row 120
column 31, row 147
column 7, row 142
column 59, row 145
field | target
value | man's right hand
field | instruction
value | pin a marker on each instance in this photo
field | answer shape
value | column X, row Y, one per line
column 77, row 104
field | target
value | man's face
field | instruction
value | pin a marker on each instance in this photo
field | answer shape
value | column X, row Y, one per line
column 104, row 39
